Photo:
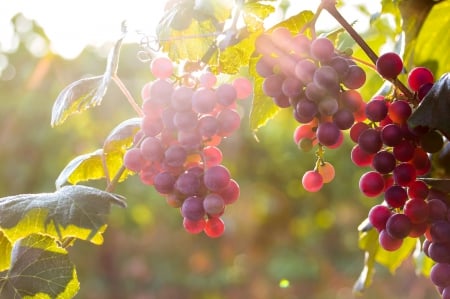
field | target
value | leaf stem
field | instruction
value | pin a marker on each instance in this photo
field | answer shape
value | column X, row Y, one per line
column 112, row 185
column 330, row 6
column 127, row 94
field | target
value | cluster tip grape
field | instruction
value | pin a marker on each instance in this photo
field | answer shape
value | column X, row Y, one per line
column 176, row 151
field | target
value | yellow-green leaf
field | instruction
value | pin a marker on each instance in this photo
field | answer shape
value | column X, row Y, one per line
column 393, row 259
column 121, row 137
column 70, row 212
column 254, row 14
column 5, row 252
column 38, row 269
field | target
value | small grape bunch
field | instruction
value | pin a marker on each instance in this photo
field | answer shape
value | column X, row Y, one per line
column 319, row 84
column 176, row 151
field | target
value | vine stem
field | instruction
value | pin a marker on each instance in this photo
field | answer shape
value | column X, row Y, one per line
column 330, row 6
column 127, row 94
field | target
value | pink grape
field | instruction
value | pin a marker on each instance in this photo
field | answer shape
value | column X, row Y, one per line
column 312, row 181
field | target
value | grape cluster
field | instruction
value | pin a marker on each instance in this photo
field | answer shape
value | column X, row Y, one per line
column 399, row 156
column 319, row 84
column 176, row 151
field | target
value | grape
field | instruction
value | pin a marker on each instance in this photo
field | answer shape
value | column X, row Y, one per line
column 440, row 231
column 164, row 182
column 304, row 70
column 376, row 110
column 152, row 149
column 357, row 129
column 314, row 92
column 360, row 157
column 282, row 101
column 175, row 155
column 418, row 229
column 327, row 78
column 207, row 80
column 327, row 133
column 371, row 184
column 228, row 122
column 378, row 216
column 214, row 227
column 389, row 243
column 344, row 119
column 188, row 184
column 322, row 49
column 216, row 178
column 419, row 76
column 185, row 120
column 439, row 252
column 190, row 140
column 303, row 131
column 398, row 226
column 204, row 100
column 383, row 162
column 440, row 274
column 437, row 209
column 404, row 174
column 151, row 126
column 370, row 141
column 181, row 98
column 243, row 88
column 328, row 106
column 399, row 111
column 212, row 156
column 194, row 227
column 327, row 172
column 351, row 99
column 192, row 208
column 404, row 151
column 161, row 92
column 208, row 126
column 226, row 94
column 355, row 77
column 418, row 189
column 423, row 90
column 340, row 65
column 214, row 205
column 264, row 67
column 167, row 117
column 389, row 65
column 133, row 160
column 305, row 111
column 391, row 135
column 230, row 193
column 161, row 67
column 417, row 210
column 395, row 196
column 291, row 87
column 312, row 181
column 421, row 161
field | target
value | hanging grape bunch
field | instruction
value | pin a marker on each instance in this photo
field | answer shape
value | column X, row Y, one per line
column 176, row 151
column 319, row 84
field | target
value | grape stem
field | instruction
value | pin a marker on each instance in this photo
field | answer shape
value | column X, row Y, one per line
column 127, row 94
column 330, row 6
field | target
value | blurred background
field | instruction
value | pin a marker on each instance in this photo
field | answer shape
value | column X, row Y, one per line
column 280, row 241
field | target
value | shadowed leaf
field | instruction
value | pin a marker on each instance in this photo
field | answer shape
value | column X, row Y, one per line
column 72, row 211
column 87, row 92
column 38, row 269
column 442, row 185
column 434, row 109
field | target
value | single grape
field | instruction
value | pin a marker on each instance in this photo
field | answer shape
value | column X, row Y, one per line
column 440, row 274
column 327, row 133
column 404, row 151
column 399, row 111
column 152, row 149
column 360, row 157
column 229, row 121
column 161, row 67
column 419, row 76
column 304, row 70
column 185, row 120
column 351, row 99
column 404, row 174
column 328, row 106
column 378, row 216
column 215, row 227
column 417, row 210
column 355, row 77
column 164, row 182
column 370, row 141
column 398, row 226
column 226, row 94
column 327, row 78
column 371, row 184
column 204, row 100
column 243, row 87
column 357, row 129
column 192, row 208
column 216, row 178
column 389, row 243
column 212, row 156
column 395, row 196
column 389, row 65
column 133, row 159
column 418, row 189
column 384, row 162
column 151, row 126
column 437, row 209
column 188, row 184
column 376, row 110
column 194, row 227
column 230, row 193
column 344, row 119
column 391, row 134
column 214, row 205
column 440, row 231
column 161, row 92
column 322, row 49
column 291, row 87
column 182, row 98
column 207, row 126
column 175, row 155
column 207, row 79
column 312, row 181
column 439, row 252
column 327, row 172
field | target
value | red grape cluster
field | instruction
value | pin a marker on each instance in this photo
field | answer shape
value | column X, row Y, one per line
column 318, row 83
column 399, row 156
column 176, row 149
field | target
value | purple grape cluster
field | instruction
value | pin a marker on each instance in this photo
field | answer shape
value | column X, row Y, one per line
column 176, row 151
column 317, row 82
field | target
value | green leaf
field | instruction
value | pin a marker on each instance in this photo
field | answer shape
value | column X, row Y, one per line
column 5, row 252
column 72, row 211
column 254, row 14
column 38, row 269
column 91, row 166
column 434, row 40
column 393, row 259
column 434, row 110
column 87, row 92
column 263, row 108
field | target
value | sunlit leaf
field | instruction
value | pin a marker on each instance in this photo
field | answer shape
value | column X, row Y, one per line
column 121, row 137
column 263, row 108
column 254, row 14
column 87, row 92
column 72, row 211
column 434, row 40
column 434, row 110
column 5, row 252
column 394, row 259
column 368, row 241
column 219, row 10
column 38, row 269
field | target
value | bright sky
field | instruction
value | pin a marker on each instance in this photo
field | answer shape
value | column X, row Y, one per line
column 71, row 25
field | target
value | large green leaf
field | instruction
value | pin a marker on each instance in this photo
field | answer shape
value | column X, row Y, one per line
column 91, row 166
column 87, row 92
column 434, row 110
column 263, row 108
column 70, row 212
column 38, row 269
column 5, row 252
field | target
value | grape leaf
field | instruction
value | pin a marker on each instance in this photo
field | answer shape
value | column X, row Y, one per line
column 263, row 108
column 442, row 185
column 91, row 166
column 72, row 211
column 5, row 251
column 38, row 269
column 87, row 92
column 434, row 110
column 254, row 14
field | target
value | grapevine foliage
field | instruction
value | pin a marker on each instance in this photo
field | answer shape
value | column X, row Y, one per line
column 191, row 104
